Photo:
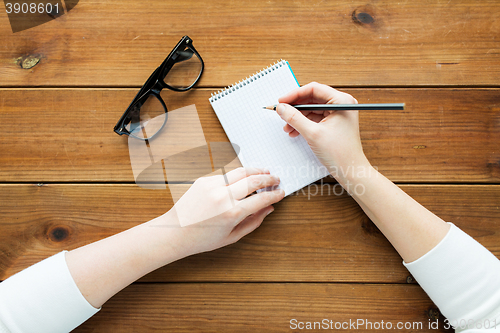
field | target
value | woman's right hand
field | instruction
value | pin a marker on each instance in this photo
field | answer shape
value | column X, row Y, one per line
column 332, row 135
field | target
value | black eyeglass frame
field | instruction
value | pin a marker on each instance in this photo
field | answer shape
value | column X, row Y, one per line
column 155, row 83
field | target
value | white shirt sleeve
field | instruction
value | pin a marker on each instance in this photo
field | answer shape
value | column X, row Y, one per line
column 43, row 298
column 3, row 328
column 463, row 279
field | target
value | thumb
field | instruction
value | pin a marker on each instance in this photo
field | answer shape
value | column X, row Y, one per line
column 295, row 118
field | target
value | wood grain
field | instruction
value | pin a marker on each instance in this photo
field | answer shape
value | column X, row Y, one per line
column 342, row 43
column 313, row 236
column 54, row 135
column 66, row 178
column 261, row 307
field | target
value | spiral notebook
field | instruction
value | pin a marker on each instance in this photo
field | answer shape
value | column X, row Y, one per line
column 259, row 132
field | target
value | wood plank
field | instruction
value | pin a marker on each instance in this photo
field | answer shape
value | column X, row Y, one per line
column 261, row 307
column 310, row 237
column 444, row 135
column 345, row 43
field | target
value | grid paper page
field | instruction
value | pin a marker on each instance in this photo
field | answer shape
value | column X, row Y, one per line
column 259, row 133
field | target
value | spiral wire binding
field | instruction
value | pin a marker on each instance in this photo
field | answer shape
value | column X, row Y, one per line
column 236, row 86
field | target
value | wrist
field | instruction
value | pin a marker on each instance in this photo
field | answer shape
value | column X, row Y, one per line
column 354, row 171
column 165, row 240
column 360, row 184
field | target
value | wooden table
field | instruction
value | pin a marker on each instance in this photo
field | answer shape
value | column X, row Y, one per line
column 66, row 178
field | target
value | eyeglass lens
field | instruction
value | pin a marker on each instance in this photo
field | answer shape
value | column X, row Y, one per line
column 147, row 117
column 185, row 71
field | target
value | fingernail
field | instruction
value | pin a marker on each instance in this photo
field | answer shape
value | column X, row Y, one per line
column 280, row 109
column 269, row 212
column 266, row 170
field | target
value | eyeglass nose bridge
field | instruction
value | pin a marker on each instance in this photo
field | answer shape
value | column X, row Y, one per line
column 155, row 91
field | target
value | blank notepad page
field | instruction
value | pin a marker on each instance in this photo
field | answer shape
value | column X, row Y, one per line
column 259, row 132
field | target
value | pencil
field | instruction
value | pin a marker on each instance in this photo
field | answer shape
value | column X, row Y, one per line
column 344, row 107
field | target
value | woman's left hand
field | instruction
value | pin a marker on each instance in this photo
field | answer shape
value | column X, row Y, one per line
column 217, row 210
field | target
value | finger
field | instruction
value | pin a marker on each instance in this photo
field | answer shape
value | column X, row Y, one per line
column 237, row 174
column 287, row 128
column 245, row 186
column 249, row 224
column 314, row 115
column 296, row 119
column 310, row 93
column 260, row 200
column 342, row 98
column 291, row 131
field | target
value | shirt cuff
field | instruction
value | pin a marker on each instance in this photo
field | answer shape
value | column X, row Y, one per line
column 43, row 298
column 461, row 277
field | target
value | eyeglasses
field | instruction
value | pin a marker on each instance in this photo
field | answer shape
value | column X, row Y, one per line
column 179, row 72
